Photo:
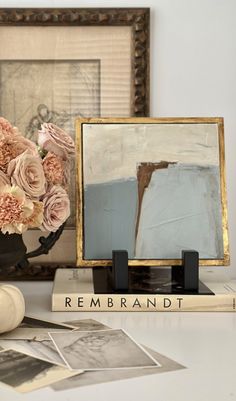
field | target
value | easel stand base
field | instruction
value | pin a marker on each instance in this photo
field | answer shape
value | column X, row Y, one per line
column 121, row 279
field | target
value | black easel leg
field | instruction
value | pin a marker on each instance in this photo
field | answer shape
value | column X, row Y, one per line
column 191, row 270
column 187, row 275
column 119, row 270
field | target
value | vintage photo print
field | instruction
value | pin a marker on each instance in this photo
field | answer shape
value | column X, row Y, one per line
column 104, row 349
column 33, row 323
column 42, row 349
column 25, row 373
column 100, row 376
column 32, row 328
column 87, row 325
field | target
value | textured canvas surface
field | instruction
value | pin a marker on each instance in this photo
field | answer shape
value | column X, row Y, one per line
column 154, row 190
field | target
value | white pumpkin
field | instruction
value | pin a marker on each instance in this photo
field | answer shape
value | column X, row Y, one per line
column 12, row 307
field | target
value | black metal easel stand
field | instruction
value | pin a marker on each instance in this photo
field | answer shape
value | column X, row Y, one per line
column 120, row 278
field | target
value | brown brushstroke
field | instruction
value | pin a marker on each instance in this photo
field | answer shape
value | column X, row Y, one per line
column 144, row 175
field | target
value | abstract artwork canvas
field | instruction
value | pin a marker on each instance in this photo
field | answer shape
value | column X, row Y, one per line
column 154, row 187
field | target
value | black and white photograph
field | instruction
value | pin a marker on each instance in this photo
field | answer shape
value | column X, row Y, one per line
column 33, row 323
column 25, row 373
column 43, row 349
column 104, row 349
column 87, row 325
column 100, row 376
column 34, row 329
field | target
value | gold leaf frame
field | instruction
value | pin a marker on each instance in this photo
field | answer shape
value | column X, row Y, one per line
column 145, row 120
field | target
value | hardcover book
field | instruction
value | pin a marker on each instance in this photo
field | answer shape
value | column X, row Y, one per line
column 77, row 290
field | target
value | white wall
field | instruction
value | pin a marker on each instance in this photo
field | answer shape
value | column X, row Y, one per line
column 193, row 66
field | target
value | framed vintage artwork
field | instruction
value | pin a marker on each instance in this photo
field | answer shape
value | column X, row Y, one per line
column 152, row 186
column 60, row 64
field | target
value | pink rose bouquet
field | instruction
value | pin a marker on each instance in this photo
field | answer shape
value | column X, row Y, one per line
column 34, row 179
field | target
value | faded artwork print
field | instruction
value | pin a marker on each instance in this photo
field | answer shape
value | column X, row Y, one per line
column 103, row 349
column 87, row 325
column 38, row 91
column 105, row 376
column 153, row 189
column 25, row 373
column 32, row 323
column 42, row 349
column 34, row 329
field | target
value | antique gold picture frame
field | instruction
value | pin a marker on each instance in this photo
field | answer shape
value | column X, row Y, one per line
column 110, row 44
column 211, row 131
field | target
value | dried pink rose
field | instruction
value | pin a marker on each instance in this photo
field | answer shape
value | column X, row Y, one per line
column 21, row 144
column 26, row 171
column 36, row 218
column 56, row 208
column 14, row 209
column 56, row 170
column 7, row 153
column 55, row 140
column 6, row 129
column 10, row 148
column 4, row 179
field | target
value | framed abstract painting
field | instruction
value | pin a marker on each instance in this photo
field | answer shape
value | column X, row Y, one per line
column 154, row 187
column 60, row 64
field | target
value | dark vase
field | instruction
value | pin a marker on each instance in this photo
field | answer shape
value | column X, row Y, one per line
column 12, row 249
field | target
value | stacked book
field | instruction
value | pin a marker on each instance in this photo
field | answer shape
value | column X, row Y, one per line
column 76, row 290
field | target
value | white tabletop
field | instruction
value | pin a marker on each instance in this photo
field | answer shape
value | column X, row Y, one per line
column 203, row 342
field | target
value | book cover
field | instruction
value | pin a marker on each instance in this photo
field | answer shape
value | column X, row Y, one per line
column 73, row 290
